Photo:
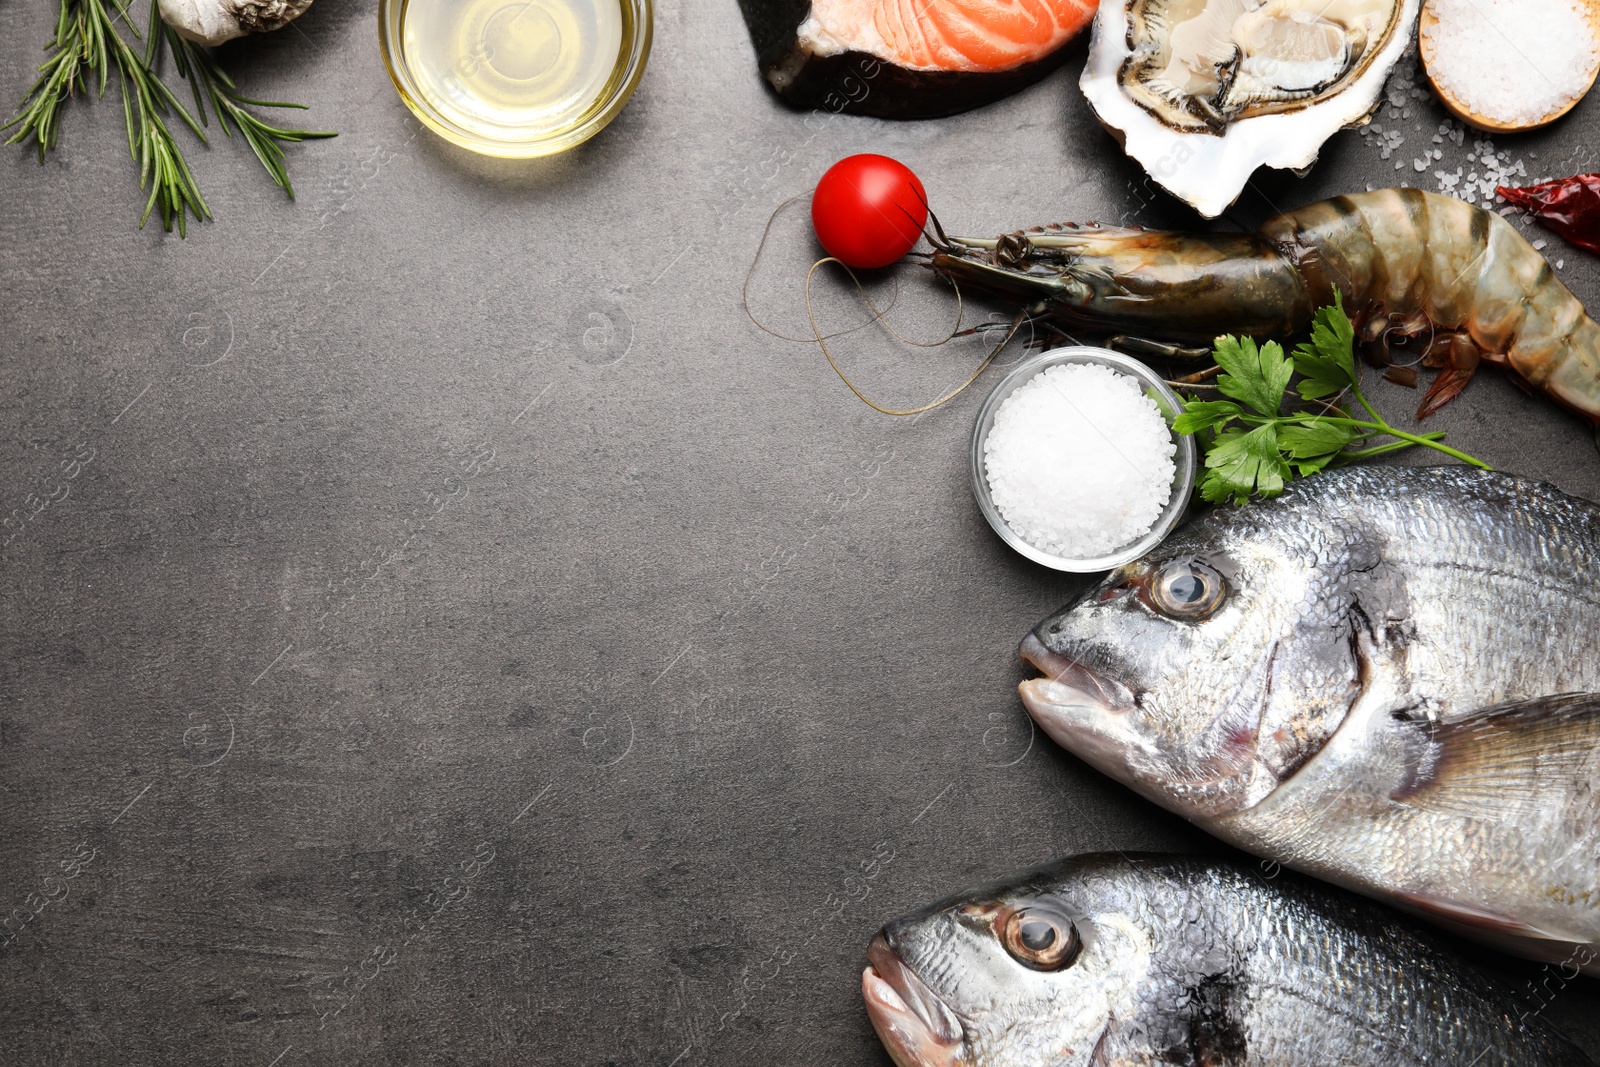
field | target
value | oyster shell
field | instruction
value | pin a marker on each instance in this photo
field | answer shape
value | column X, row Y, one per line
column 1202, row 92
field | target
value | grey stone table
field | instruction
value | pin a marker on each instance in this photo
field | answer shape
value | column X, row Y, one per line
column 454, row 634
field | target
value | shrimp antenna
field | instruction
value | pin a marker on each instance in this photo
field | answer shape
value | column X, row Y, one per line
column 1030, row 321
column 942, row 243
column 922, row 230
column 943, row 237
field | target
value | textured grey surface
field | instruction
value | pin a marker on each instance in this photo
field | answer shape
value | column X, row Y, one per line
column 454, row 634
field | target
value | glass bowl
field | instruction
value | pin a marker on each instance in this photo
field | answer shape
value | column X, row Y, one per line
column 527, row 138
column 1155, row 388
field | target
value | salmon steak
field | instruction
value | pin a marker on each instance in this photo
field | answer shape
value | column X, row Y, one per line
column 909, row 59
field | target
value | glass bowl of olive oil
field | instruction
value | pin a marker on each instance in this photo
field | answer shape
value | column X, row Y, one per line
column 515, row 78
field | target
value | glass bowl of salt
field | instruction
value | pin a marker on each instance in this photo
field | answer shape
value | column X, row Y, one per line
column 1074, row 460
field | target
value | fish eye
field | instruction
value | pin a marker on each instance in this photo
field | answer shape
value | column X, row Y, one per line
column 1187, row 589
column 1040, row 937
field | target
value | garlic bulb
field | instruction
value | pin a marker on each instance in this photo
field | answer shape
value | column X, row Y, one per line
column 213, row 21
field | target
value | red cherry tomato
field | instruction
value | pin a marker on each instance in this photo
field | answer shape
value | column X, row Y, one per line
column 868, row 210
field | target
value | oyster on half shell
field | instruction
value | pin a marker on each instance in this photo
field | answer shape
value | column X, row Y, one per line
column 1202, row 92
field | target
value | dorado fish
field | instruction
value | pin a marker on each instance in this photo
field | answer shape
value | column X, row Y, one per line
column 1385, row 677
column 1103, row 960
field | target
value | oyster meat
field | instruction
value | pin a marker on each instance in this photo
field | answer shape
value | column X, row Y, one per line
column 1202, row 92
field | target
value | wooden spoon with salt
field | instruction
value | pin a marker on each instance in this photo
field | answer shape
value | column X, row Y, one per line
column 1427, row 45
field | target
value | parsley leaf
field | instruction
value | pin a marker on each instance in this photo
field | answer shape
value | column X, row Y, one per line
column 1313, row 444
column 1255, row 376
column 1204, row 414
column 1241, row 462
column 1327, row 361
column 1254, row 447
column 1302, row 440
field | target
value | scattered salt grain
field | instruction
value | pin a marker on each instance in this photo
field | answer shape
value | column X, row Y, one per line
column 1511, row 61
column 1079, row 461
column 1484, row 169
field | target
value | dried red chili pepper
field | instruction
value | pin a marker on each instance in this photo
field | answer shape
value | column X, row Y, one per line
column 1569, row 206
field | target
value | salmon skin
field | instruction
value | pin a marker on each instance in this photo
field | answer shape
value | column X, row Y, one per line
column 908, row 59
column 1119, row 960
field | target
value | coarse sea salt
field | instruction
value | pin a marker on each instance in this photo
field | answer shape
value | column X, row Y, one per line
column 1511, row 61
column 1079, row 461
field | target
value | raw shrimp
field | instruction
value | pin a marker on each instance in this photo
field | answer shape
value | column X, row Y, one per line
column 1411, row 266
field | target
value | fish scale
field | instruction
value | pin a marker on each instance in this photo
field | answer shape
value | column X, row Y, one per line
column 1382, row 698
column 1186, row 960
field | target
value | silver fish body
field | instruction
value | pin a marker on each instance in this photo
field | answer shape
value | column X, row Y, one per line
column 1145, row 960
column 1386, row 677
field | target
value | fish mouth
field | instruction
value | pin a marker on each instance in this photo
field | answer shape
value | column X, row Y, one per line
column 1068, row 683
column 1081, row 710
column 915, row 1026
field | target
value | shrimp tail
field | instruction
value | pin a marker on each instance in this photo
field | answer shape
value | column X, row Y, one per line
column 1446, row 386
column 1467, row 273
column 1462, row 362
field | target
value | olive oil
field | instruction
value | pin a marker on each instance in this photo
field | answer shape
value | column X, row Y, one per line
column 517, row 70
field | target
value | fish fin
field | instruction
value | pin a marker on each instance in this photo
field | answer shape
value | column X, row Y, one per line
column 1480, row 919
column 1522, row 752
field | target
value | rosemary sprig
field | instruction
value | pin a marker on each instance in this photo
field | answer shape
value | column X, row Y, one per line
column 80, row 51
column 198, row 67
column 161, row 162
column 87, row 47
